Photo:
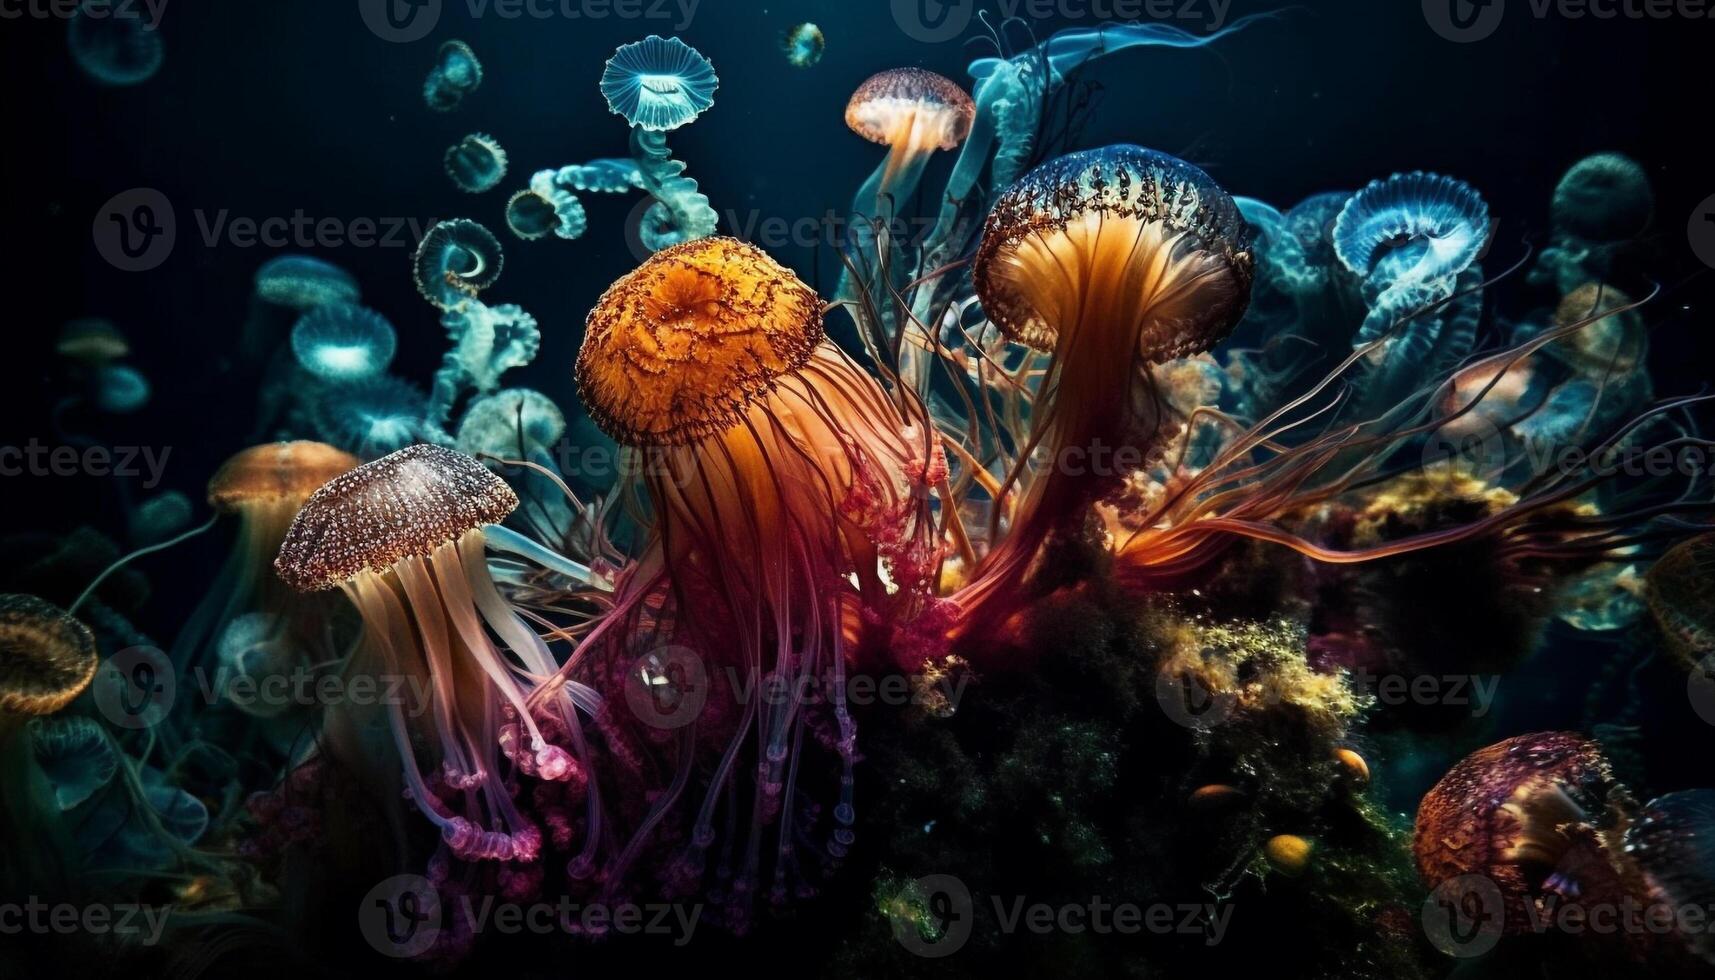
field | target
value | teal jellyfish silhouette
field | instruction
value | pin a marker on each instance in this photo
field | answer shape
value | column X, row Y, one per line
column 115, row 45
column 373, row 417
column 340, row 342
column 803, row 45
column 547, row 206
column 477, row 163
column 659, row 83
column 605, row 176
column 487, row 342
column 121, row 389
column 456, row 74
column 303, row 283
column 456, row 260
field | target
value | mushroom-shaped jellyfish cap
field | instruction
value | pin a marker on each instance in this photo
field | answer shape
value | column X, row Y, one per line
column 401, row 506
column 47, row 658
column 276, row 471
column 303, row 283
column 659, row 83
column 911, row 108
column 1185, row 256
column 677, row 349
column 1413, row 227
column 342, row 342
column 92, row 340
column 1604, row 198
column 1673, row 842
column 1500, row 812
column 509, row 422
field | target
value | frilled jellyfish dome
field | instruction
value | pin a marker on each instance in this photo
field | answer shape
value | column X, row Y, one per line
column 1502, row 812
column 276, row 471
column 401, row 506
column 911, row 108
column 1185, row 253
column 47, row 658
column 659, row 83
column 341, row 342
column 1413, row 227
column 456, row 260
column 1604, row 198
column 303, row 283
column 476, row 163
column 1681, row 594
column 678, row 348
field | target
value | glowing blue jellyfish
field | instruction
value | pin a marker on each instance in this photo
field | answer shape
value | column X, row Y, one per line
column 303, row 283
column 115, row 44
column 514, row 423
column 487, row 342
column 342, row 343
column 121, row 389
column 477, row 163
column 456, row 74
column 456, row 260
column 605, row 176
column 75, row 755
column 804, row 45
column 372, row 418
column 159, row 518
column 1603, row 198
column 659, row 83
column 251, row 649
column 546, row 207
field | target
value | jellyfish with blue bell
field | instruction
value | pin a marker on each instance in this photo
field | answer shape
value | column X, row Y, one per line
column 658, row 85
column 115, row 44
column 546, row 207
column 372, row 417
column 803, row 45
column 339, row 343
column 476, row 163
column 457, row 73
column 455, row 261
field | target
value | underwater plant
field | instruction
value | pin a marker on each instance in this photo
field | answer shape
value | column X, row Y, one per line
column 456, row 74
column 783, row 484
column 476, row 163
column 340, row 343
column 658, row 85
column 402, row 537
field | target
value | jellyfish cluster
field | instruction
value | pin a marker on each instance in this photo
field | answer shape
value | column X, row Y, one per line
column 1130, row 481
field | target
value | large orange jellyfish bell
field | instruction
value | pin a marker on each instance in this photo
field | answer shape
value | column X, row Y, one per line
column 1110, row 260
column 785, row 484
column 47, row 658
column 403, row 537
column 913, row 113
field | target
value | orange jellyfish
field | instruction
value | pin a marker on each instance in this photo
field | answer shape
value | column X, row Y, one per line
column 789, row 500
column 403, row 538
column 913, row 113
column 1111, row 260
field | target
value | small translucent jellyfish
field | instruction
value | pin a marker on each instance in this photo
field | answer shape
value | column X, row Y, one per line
column 47, row 659
column 659, row 83
column 477, row 163
column 803, row 45
column 115, row 44
column 75, row 755
column 92, row 340
column 372, row 417
column 1603, row 198
column 515, row 423
column 913, row 113
column 1412, row 228
column 605, row 176
column 456, row 74
column 546, row 207
column 121, row 389
column 303, row 283
column 403, row 537
column 340, row 342
column 456, row 260
column 159, row 518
